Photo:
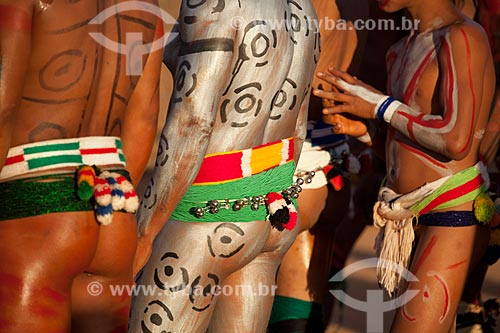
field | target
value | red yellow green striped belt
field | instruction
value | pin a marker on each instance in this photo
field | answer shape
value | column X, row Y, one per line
column 229, row 166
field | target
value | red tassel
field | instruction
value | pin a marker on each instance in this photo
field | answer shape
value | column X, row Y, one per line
column 279, row 213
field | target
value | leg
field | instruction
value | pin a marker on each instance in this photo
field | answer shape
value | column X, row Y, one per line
column 249, row 310
column 303, row 275
column 188, row 261
column 441, row 263
column 40, row 257
column 111, row 267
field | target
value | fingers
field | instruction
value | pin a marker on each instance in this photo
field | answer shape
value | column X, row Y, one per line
column 335, row 96
column 343, row 75
column 343, row 125
column 343, row 108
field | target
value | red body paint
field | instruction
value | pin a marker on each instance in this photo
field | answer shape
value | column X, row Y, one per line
column 425, row 254
column 420, row 153
column 406, row 315
column 469, row 60
column 446, row 297
column 53, row 295
column 13, row 18
column 456, row 265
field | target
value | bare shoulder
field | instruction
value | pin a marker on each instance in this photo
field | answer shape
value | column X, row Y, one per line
column 470, row 35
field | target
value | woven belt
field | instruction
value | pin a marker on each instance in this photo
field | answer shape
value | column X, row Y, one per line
column 230, row 166
column 52, row 154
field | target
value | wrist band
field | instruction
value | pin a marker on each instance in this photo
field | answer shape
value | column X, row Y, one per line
column 386, row 108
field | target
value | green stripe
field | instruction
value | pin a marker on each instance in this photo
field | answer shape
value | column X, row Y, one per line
column 287, row 308
column 118, row 144
column 453, row 182
column 273, row 180
column 121, row 157
column 463, row 199
column 54, row 160
column 54, row 147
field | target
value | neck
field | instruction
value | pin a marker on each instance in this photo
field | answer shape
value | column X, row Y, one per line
column 434, row 14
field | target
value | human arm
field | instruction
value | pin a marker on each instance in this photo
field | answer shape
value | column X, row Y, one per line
column 141, row 119
column 199, row 81
column 448, row 128
column 15, row 49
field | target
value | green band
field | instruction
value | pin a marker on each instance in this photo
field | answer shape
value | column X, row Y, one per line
column 43, row 195
column 38, row 196
column 273, row 180
column 451, row 184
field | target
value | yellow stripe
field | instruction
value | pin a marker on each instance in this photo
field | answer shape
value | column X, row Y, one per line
column 266, row 157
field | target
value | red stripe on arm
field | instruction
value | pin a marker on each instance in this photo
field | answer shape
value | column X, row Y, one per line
column 469, row 65
column 13, row 18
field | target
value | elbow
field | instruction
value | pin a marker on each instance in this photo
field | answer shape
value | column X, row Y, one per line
column 457, row 149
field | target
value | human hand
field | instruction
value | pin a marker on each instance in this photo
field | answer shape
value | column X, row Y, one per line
column 357, row 98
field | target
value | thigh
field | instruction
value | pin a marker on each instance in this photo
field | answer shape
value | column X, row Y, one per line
column 39, row 258
column 188, row 261
column 441, row 262
column 245, row 301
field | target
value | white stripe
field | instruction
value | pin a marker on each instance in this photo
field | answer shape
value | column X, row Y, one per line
column 102, row 159
column 98, row 142
column 29, row 157
column 284, row 151
column 246, row 158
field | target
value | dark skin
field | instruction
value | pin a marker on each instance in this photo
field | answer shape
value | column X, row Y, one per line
column 57, row 82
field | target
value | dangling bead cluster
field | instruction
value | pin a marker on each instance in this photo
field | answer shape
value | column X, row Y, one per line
column 254, row 202
column 306, row 176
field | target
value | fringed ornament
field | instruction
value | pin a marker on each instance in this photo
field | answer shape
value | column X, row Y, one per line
column 131, row 198
column 85, row 182
column 293, row 217
column 117, row 195
column 279, row 213
column 393, row 246
column 104, row 214
column 102, row 191
column 484, row 208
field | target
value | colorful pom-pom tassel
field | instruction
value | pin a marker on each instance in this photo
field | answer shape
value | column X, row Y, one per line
column 293, row 217
column 102, row 191
column 104, row 214
column 117, row 195
column 277, row 207
column 484, row 208
column 85, row 182
column 131, row 199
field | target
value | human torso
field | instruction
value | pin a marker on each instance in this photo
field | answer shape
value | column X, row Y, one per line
column 414, row 78
column 74, row 86
column 271, row 71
